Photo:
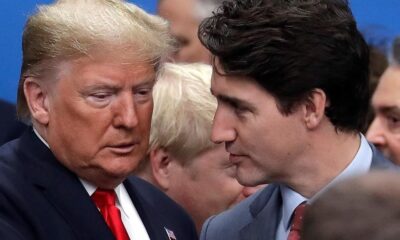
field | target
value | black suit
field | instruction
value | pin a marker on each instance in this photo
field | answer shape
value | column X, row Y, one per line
column 41, row 199
column 10, row 127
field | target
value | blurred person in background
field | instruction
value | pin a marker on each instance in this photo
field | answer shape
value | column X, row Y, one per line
column 184, row 17
column 384, row 131
column 366, row 207
column 183, row 161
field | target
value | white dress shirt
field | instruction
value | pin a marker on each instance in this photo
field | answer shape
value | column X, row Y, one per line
column 130, row 217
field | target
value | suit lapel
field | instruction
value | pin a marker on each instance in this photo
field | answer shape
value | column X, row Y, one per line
column 265, row 210
column 78, row 210
column 63, row 190
column 149, row 216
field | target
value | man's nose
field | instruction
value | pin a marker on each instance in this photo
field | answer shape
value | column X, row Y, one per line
column 376, row 132
column 222, row 129
column 125, row 112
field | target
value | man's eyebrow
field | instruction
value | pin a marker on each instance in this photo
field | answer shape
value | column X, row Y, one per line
column 234, row 101
column 100, row 86
column 110, row 85
column 390, row 110
column 146, row 81
column 226, row 98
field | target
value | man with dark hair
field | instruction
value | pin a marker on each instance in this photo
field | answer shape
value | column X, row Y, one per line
column 366, row 207
column 291, row 80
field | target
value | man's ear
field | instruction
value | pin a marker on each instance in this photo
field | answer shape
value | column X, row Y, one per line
column 314, row 108
column 160, row 166
column 37, row 100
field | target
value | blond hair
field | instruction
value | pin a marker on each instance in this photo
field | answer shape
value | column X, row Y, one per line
column 69, row 29
column 183, row 110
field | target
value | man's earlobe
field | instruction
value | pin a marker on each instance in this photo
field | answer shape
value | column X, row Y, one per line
column 314, row 108
column 37, row 100
column 160, row 166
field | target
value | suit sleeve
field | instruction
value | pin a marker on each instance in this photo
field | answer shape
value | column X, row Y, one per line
column 8, row 232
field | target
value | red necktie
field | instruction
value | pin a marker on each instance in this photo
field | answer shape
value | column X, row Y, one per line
column 105, row 201
column 297, row 222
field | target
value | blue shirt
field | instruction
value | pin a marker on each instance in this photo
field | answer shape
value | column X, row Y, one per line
column 291, row 199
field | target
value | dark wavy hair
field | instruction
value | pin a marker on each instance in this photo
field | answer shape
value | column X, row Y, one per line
column 291, row 47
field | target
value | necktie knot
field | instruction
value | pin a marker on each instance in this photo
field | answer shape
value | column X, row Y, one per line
column 105, row 201
column 297, row 222
column 104, row 198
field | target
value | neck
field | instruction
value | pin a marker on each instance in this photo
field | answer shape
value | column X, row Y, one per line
column 328, row 156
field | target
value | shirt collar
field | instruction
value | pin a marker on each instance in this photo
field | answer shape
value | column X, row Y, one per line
column 40, row 137
column 360, row 164
column 120, row 191
column 291, row 200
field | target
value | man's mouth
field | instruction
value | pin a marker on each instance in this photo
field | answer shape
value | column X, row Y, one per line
column 235, row 158
column 122, row 148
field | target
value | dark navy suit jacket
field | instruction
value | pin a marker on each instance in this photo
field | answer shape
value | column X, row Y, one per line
column 41, row 199
column 257, row 217
column 10, row 127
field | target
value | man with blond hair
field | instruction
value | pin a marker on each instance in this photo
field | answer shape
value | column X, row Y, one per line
column 183, row 161
column 86, row 85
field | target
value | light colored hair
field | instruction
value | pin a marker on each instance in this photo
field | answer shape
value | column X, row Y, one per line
column 70, row 29
column 183, row 110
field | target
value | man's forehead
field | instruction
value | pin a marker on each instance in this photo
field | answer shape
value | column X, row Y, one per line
column 389, row 85
column 176, row 9
column 95, row 71
column 234, row 88
column 386, row 97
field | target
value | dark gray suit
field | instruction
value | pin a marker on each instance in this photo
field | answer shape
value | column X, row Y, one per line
column 257, row 217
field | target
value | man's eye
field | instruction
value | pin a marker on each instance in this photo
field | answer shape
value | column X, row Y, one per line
column 239, row 109
column 393, row 119
column 99, row 96
column 143, row 94
column 181, row 42
column 393, row 122
column 99, row 99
